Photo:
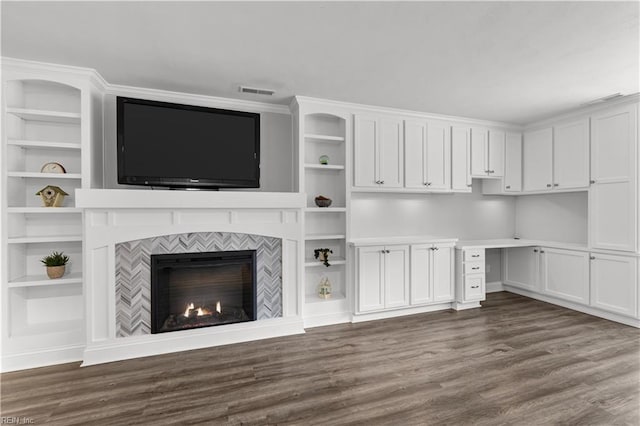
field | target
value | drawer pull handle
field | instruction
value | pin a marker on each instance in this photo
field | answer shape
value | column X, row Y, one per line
column 475, row 255
column 475, row 286
column 476, row 267
column 508, row 187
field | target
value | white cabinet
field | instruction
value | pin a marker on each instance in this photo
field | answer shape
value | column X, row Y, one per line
column 378, row 152
column 427, row 151
column 537, row 160
column 521, row 267
column 470, row 276
column 614, row 283
column 513, row 163
column 565, row 274
column 487, row 152
column 571, row 154
column 460, row 159
column 383, row 277
column 431, row 273
column 613, row 201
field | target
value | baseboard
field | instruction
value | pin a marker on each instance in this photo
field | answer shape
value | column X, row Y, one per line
column 575, row 306
column 43, row 358
column 494, row 287
column 463, row 306
column 328, row 319
column 400, row 312
column 119, row 349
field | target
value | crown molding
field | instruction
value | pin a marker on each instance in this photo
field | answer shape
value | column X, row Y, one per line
column 362, row 108
column 37, row 67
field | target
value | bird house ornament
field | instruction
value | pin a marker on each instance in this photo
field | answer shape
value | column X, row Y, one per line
column 52, row 196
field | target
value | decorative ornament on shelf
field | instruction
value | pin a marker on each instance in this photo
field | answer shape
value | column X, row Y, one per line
column 322, row 254
column 324, row 159
column 52, row 196
column 53, row 168
column 322, row 201
column 324, row 288
column 56, row 264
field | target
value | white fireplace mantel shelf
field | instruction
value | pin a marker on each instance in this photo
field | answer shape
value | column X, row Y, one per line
column 166, row 199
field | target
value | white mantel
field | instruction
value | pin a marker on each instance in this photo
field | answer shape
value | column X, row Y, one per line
column 115, row 216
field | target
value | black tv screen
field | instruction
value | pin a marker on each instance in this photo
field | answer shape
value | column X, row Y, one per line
column 182, row 146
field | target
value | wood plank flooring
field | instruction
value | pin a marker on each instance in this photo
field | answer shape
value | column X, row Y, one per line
column 515, row 361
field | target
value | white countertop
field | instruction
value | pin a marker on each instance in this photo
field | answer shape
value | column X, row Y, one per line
column 408, row 239
column 512, row 242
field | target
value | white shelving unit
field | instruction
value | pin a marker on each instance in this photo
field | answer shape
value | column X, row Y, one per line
column 323, row 131
column 48, row 115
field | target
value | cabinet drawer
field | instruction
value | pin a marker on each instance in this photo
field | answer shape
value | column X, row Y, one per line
column 473, row 255
column 474, row 268
column 474, row 287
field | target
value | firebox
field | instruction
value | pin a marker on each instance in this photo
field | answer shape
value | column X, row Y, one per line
column 193, row 290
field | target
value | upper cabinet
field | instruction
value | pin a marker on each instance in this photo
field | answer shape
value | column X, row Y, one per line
column 571, row 154
column 487, row 153
column 513, row 163
column 613, row 200
column 378, row 151
column 427, row 149
column 537, row 164
column 460, row 159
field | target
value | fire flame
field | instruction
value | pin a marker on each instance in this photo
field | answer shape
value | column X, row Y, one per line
column 218, row 307
column 200, row 310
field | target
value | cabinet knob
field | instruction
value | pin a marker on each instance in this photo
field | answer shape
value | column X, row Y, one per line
column 592, row 257
column 535, row 250
column 469, row 185
column 592, row 182
column 508, row 186
column 436, row 248
column 381, row 182
column 425, row 183
column 492, row 171
column 428, row 183
column 556, row 184
column 541, row 251
column 548, row 185
column 475, row 286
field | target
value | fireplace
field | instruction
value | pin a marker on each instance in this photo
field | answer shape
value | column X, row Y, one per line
column 193, row 290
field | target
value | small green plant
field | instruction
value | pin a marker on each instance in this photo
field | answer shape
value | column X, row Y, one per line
column 55, row 259
column 323, row 255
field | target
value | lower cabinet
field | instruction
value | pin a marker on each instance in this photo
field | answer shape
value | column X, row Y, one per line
column 397, row 276
column 565, row 274
column 521, row 267
column 614, row 283
column 383, row 277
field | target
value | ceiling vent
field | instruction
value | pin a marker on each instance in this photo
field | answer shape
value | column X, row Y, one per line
column 603, row 99
column 256, row 91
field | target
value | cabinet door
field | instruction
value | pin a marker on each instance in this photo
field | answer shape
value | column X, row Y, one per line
column 438, row 156
column 461, row 159
column 391, row 158
column 613, row 219
column 365, row 152
column 442, row 274
column 370, row 278
column 521, row 267
column 421, row 288
column 396, row 273
column 496, row 153
column 479, row 151
column 571, row 155
column 537, row 160
column 415, row 154
column 566, row 274
column 614, row 283
column 513, row 163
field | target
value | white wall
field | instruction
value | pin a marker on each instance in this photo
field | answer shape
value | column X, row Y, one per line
column 276, row 150
column 553, row 217
column 463, row 216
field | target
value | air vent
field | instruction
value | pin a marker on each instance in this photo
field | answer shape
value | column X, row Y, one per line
column 256, row 91
column 603, row 99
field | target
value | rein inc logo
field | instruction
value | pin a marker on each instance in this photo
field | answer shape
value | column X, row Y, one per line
column 8, row 420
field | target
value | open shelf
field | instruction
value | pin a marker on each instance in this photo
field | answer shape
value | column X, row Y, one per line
column 313, row 262
column 44, row 210
column 43, row 115
column 325, row 209
column 312, row 137
column 43, row 144
column 324, row 167
column 38, row 175
column 47, row 239
column 43, row 280
column 310, row 237
column 68, row 326
column 314, row 298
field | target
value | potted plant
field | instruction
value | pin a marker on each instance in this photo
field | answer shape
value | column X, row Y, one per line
column 322, row 254
column 55, row 264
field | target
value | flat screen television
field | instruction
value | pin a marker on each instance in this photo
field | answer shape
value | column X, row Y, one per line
column 182, row 146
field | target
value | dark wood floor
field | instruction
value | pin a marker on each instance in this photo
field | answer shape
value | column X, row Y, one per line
column 515, row 361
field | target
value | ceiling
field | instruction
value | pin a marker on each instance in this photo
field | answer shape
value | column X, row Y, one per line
column 506, row 61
